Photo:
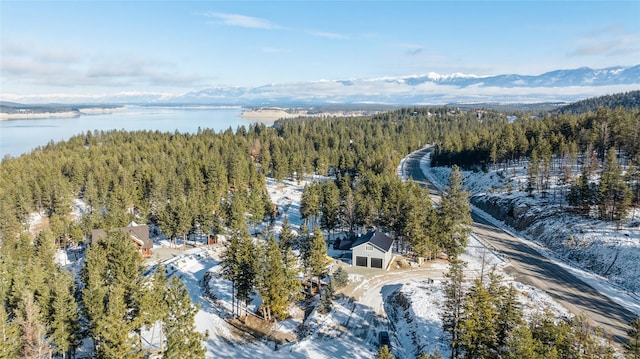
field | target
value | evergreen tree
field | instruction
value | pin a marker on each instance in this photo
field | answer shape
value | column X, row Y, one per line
column 271, row 281
column 154, row 305
column 532, row 173
column 478, row 333
column 615, row 196
column 330, row 206
column 419, row 224
column 65, row 316
column 520, row 344
column 455, row 215
column 326, row 294
column 286, row 235
column 454, row 305
column 384, row 353
column 231, row 265
column 292, row 284
column 113, row 289
column 318, row 260
column 115, row 328
column 10, row 338
column 240, row 264
column 183, row 341
column 509, row 316
column 340, row 277
column 632, row 348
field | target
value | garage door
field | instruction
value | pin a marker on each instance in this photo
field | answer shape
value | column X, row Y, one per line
column 376, row 262
column 361, row 261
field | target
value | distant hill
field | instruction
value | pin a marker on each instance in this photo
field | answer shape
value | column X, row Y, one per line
column 12, row 107
column 627, row 100
column 432, row 89
column 558, row 86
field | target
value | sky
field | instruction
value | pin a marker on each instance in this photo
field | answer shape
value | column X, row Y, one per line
column 95, row 48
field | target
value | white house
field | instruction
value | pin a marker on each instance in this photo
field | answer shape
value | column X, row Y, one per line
column 372, row 250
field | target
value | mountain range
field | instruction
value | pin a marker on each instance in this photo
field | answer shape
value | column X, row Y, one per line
column 429, row 89
column 432, row 88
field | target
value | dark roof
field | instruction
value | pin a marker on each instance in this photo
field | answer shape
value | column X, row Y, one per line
column 138, row 234
column 344, row 245
column 376, row 238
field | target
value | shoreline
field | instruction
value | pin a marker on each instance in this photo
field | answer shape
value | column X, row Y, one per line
column 6, row 116
column 268, row 116
column 272, row 114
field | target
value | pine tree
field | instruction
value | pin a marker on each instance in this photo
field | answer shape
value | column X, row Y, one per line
column 632, row 348
column 231, row 265
column 384, row 353
column 292, row 285
column 532, row 173
column 478, row 334
column 10, row 339
column 271, row 282
column 286, row 235
column 614, row 195
column 65, row 316
column 112, row 293
column 153, row 305
column 455, row 215
column 115, row 328
column 419, row 223
column 183, row 341
column 247, row 262
column 340, row 277
column 509, row 316
column 520, row 344
column 454, row 304
column 318, row 260
column 330, row 206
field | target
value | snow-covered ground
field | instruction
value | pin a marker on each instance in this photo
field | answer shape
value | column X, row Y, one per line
column 595, row 241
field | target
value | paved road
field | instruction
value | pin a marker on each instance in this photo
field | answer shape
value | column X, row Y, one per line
column 530, row 267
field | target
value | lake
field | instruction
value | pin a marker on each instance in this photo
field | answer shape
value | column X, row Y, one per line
column 21, row 136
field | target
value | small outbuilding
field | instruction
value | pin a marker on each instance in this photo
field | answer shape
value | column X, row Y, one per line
column 372, row 250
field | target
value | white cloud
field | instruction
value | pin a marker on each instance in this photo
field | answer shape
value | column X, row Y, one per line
column 607, row 41
column 51, row 66
column 242, row 20
column 327, row 35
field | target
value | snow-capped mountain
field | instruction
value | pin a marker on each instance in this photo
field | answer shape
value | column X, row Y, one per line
column 431, row 88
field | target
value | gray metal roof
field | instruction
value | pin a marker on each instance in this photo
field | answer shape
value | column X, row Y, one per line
column 376, row 238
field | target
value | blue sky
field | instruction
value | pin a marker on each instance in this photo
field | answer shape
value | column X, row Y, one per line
column 95, row 48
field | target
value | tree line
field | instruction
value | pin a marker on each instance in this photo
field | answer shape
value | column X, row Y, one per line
column 576, row 149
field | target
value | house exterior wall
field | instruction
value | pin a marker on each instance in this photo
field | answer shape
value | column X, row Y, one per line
column 369, row 251
column 387, row 258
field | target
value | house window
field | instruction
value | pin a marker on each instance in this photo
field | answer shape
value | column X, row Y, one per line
column 368, row 248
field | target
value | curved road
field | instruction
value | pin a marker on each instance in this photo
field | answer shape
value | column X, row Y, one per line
column 530, row 267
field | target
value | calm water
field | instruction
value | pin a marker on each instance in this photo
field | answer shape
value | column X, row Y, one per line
column 21, row 136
